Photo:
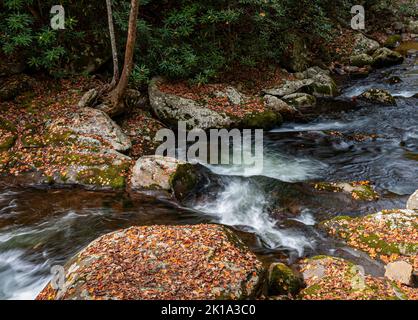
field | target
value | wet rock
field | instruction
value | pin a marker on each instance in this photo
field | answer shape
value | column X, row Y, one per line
column 394, row 80
column 362, row 191
column 171, row 108
column 164, row 173
column 400, row 271
column 385, row 57
column 388, row 235
column 300, row 100
column 361, row 60
column 413, row 202
column 283, row 281
column 331, row 278
column 161, row 262
column 14, row 86
column 362, row 44
column 377, row 96
column 89, row 121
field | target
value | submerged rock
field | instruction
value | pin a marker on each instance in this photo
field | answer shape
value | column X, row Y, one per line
column 362, row 190
column 161, row 262
column 331, row 278
column 164, row 173
column 377, row 96
column 413, row 201
column 385, row 57
column 283, row 280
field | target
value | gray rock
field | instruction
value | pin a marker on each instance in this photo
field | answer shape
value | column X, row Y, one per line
column 171, row 108
column 233, row 95
column 164, row 174
column 88, row 99
column 362, row 44
column 413, row 201
column 289, row 87
column 400, row 271
column 413, row 26
column 279, row 106
column 89, row 121
column 300, row 100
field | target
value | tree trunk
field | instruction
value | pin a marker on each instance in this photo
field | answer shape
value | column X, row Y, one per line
column 119, row 91
column 115, row 77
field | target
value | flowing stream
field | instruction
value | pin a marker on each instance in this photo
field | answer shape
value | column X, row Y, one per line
column 270, row 206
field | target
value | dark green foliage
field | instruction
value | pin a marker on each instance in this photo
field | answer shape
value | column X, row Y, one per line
column 176, row 38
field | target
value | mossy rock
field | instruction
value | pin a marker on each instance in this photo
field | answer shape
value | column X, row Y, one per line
column 184, row 180
column 283, row 281
column 385, row 57
column 377, row 96
column 266, row 120
column 393, row 41
column 112, row 176
column 361, row 60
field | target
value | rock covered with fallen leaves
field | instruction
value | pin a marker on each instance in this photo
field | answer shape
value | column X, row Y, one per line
column 209, row 106
column 164, row 173
column 331, row 278
column 162, row 262
column 359, row 190
column 389, row 235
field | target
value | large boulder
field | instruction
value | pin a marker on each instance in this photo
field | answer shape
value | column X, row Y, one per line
column 164, row 174
column 331, row 278
column 385, row 57
column 362, row 44
column 93, row 122
column 377, row 96
column 171, row 108
column 161, row 262
column 413, row 202
column 279, row 106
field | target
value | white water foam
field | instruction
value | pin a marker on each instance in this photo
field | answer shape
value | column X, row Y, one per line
column 242, row 204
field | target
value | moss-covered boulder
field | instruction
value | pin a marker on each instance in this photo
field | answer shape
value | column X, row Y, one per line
column 283, row 281
column 279, row 106
column 361, row 60
column 377, row 96
column 161, row 263
column 266, row 120
column 385, row 57
column 331, row 278
column 166, row 174
column 389, row 235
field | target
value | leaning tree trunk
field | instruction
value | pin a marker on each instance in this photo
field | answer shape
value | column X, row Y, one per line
column 118, row 93
column 115, row 77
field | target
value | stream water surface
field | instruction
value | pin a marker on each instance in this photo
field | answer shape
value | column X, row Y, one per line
column 269, row 206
